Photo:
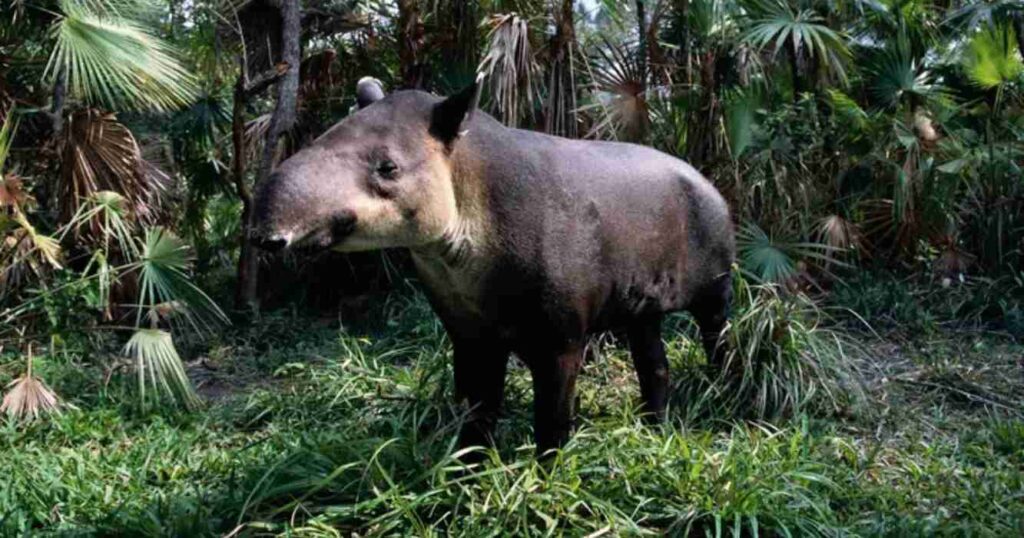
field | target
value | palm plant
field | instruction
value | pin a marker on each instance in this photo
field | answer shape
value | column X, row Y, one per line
column 765, row 258
column 100, row 154
column 561, row 106
column 991, row 12
column 24, row 251
column 110, row 59
column 778, row 24
column 897, row 77
column 617, row 71
column 740, row 119
column 21, row 250
column 29, row 397
column 990, row 59
column 992, row 64
column 510, row 67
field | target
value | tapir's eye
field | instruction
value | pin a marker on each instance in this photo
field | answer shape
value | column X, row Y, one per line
column 387, row 169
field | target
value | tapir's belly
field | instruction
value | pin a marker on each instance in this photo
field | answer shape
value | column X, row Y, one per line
column 567, row 290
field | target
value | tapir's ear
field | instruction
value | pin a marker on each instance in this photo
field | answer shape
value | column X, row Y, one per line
column 368, row 91
column 452, row 115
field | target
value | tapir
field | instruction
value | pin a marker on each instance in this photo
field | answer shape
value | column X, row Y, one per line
column 525, row 243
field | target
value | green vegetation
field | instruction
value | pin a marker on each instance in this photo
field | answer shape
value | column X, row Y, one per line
column 163, row 378
column 352, row 430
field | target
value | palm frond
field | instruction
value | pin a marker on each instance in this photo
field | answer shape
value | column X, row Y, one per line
column 158, row 367
column 25, row 254
column 975, row 14
column 6, row 138
column 774, row 23
column 768, row 259
column 29, row 397
column 617, row 71
column 163, row 267
column 111, row 60
column 839, row 233
column 107, row 213
column 847, row 109
column 992, row 59
column 740, row 119
column 100, row 154
column 509, row 66
column 895, row 75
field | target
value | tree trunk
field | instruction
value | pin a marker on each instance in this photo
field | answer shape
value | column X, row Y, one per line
column 410, row 42
column 60, row 89
column 794, row 67
column 700, row 129
column 641, row 21
column 560, row 117
column 247, row 258
column 281, row 121
column 682, row 7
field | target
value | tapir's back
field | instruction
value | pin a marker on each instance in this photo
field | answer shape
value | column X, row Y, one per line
column 628, row 228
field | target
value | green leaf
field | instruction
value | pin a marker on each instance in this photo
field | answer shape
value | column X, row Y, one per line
column 165, row 288
column 159, row 367
column 952, row 167
column 6, row 137
column 992, row 58
column 112, row 60
column 774, row 22
column 740, row 120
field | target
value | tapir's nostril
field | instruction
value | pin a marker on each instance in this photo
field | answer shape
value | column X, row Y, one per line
column 271, row 244
column 343, row 224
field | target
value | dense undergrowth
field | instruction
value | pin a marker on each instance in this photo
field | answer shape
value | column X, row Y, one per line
column 314, row 428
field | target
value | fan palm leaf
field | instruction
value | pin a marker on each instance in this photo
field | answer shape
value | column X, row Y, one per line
column 509, row 66
column 617, row 70
column 29, row 396
column 896, row 75
column 163, row 267
column 975, row 14
column 111, row 60
column 774, row 23
column 767, row 259
column 991, row 58
column 107, row 213
column 101, row 154
column 25, row 254
column 158, row 367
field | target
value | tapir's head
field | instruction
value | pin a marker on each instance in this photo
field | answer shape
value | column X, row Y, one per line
column 381, row 178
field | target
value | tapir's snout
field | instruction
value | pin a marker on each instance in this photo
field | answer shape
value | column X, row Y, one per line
column 270, row 243
column 288, row 215
column 267, row 233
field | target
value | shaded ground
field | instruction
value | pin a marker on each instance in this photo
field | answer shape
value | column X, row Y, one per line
column 326, row 431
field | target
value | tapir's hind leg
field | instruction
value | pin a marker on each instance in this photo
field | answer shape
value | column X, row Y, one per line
column 711, row 310
column 651, row 365
column 554, row 395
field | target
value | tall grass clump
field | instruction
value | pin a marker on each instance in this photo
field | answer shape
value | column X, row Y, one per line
column 781, row 360
column 611, row 479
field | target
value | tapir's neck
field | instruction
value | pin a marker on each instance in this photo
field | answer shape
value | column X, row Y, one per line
column 468, row 240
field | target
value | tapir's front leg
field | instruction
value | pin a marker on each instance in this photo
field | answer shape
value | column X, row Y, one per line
column 480, row 366
column 554, row 396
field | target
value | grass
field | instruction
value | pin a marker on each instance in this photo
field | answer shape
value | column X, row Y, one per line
column 338, row 430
